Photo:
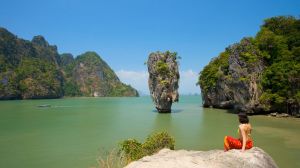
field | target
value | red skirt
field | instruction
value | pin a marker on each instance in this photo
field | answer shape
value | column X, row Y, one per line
column 233, row 143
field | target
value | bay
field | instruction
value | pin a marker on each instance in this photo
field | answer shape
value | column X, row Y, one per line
column 72, row 132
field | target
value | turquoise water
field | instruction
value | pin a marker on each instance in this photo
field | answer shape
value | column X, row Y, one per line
column 73, row 131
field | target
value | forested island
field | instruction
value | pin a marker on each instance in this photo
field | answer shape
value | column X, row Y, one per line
column 259, row 74
column 34, row 70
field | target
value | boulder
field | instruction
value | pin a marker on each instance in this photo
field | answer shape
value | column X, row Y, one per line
column 254, row 157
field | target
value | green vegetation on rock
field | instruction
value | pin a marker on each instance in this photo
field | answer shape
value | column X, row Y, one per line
column 162, row 67
column 280, row 39
column 89, row 75
column 134, row 150
column 163, row 79
column 212, row 72
column 28, row 69
column 34, row 69
column 38, row 79
column 277, row 47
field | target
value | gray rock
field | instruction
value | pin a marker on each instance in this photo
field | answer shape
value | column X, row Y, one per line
column 273, row 114
column 239, row 88
column 279, row 115
column 166, row 158
column 40, row 41
column 163, row 80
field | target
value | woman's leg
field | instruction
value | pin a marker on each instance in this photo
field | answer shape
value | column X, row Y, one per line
column 232, row 143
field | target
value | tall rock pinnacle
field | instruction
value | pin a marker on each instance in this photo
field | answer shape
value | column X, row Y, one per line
column 163, row 79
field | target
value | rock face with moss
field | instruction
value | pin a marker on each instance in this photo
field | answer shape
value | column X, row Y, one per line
column 236, row 78
column 34, row 70
column 163, row 79
column 260, row 74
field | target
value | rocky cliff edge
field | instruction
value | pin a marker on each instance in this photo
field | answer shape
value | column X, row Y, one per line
column 254, row 157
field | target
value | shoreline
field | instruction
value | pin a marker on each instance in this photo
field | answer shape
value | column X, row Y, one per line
column 269, row 114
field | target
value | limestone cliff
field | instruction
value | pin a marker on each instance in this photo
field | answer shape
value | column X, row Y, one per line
column 34, row 70
column 163, row 79
column 89, row 75
column 254, row 157
column 236, row 85
column 28, row 69
column 257, row 75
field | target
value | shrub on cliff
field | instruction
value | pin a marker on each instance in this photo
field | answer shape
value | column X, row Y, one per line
column 158, row 141
column 111, row 159
column 134, row 150
column 211, row 73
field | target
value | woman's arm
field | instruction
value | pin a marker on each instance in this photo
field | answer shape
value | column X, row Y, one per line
column 242, row 130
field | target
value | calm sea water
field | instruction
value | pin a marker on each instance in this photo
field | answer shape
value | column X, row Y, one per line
column 73, row 131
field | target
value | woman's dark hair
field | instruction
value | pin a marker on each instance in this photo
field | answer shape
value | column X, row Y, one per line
column 243, row 118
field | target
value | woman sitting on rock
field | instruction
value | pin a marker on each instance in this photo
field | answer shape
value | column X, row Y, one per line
column 244, row 141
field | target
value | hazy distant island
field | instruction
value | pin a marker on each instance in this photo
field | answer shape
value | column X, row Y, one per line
column 259, row 74
column 35, row 70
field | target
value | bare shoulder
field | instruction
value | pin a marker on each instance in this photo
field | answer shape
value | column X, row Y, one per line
column 245, row 126
column 248, row 126
column 241, row 127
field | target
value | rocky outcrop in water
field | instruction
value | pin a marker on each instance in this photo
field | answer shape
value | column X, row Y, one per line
column 237, row 83
column 89, row 75
column 254, row 157
column 257, row 75
column 163, row 79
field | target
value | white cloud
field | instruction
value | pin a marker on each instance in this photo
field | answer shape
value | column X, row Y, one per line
column 139, row 80
column 187, row 82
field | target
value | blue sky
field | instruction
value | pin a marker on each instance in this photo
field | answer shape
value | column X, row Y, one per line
column 124, row 32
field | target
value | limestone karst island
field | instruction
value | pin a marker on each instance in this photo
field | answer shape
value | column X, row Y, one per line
column 149, row 84
column 163, row 79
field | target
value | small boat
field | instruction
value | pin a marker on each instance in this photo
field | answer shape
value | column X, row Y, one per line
column 44, row 105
